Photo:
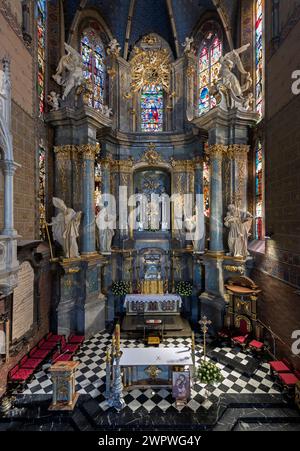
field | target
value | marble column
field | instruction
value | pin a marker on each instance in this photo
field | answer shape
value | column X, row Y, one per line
column 216, row 153
column 9, row 168
column 239, row 154
column 199, row 203
column 88, row 152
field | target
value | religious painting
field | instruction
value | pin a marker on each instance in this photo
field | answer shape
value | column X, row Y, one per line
column 181, row 386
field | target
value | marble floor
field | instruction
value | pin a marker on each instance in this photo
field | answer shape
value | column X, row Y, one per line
column 240, row 375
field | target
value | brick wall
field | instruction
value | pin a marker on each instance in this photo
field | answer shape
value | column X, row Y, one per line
column 278, row 270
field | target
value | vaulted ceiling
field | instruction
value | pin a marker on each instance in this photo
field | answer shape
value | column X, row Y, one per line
column 128, row 20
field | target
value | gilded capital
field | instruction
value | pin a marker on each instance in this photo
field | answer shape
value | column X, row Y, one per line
column 216, row 150
column 63, row 152
column 198, row 161
column 238, row 150
column 88, row 151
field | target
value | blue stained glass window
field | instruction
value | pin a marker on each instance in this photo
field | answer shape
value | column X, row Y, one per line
column 209, row 67
column 93, row 55
column 152, row 104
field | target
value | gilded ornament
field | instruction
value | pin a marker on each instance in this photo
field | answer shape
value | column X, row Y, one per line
column 150, row 67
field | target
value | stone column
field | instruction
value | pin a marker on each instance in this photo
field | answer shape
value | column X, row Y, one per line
column 216, row 152
column 239, row 154
column 63, row 173
column 9, row 168
column 88, row 152
column 199, row 203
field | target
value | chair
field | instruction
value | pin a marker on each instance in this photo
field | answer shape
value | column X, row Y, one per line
column 59, row 357
column 289, row 380
column 279, row 366
column 68, row 347
column 19, row 375
column 30, row 363
column 76, row 339
column 37, row 353
column 242, row 337
column 43, row 344
column 256, row 346
column 52, row 337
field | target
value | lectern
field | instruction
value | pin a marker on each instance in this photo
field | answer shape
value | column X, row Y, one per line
column 63, row 378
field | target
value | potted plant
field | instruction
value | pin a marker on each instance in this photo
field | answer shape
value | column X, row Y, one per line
column 184, row 288
column 120, row 288
column 208, row 373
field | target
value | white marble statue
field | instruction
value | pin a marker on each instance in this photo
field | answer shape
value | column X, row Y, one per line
column 113, row 47
column 69, row 72
column 106, row 230
column 187, row 44
column 65, row 228
column 53, row 100
column 190, row 224
column 239, row 225
column 106, row 110
column 235, row 92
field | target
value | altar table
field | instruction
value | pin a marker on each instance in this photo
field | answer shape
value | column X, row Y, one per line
column 152, row 304
column 153, row 367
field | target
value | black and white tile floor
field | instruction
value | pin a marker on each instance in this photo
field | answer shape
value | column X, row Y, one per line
column 91, row 377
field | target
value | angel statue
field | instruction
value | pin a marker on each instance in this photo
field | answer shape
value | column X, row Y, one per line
column 229, row 81
column 65, row 228
column 53, row 100
column 239, row 225
column 69, row 72
column 113, row 47
column 187, row 44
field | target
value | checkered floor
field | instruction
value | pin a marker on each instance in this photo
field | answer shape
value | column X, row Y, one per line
column 91, row 377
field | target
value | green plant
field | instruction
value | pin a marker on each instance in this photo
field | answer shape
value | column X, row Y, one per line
column 208, row 373
column 184, row 288
column 120, row 288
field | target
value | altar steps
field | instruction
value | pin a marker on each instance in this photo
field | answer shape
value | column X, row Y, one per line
column 174, row 326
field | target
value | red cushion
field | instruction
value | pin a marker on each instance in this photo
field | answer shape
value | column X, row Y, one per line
column 22, row 375
column 240, row 339
column 63, row 357
column 40, row 353
column 279, row 366
column 70, row 347
column 55, row 338
column 256, row 344
column 48, row 345
column 288, row 378
column 31, row 363
column 76, row 339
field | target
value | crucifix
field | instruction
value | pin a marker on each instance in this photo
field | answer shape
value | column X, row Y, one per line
column 204, row 323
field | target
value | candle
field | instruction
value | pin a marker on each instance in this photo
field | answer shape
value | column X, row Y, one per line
column 117, row 335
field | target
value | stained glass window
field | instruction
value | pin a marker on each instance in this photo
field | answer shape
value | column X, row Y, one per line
column 259, row 192
column 41, row 47
column 259, row 57
column 209, row 67
column 93, row 55
column 42, row 190
column 206, row 188
column 152, row 103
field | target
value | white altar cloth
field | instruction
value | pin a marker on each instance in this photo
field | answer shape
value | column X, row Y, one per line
column 156, row 356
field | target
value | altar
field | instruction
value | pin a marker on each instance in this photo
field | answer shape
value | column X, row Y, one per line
column 152, row 304
column 154, row 367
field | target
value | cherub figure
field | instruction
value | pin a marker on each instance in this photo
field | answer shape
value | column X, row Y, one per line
column 53, row 100
column 187, row 44
column 114, row 47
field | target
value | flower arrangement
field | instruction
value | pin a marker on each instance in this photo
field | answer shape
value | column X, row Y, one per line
column 208, row 373
column 184, row 288
column 120, row 288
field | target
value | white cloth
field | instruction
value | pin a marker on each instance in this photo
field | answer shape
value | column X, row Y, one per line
column 156, row 356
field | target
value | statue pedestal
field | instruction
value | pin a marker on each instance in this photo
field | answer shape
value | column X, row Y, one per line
column 63, row 378
column 80, row 304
